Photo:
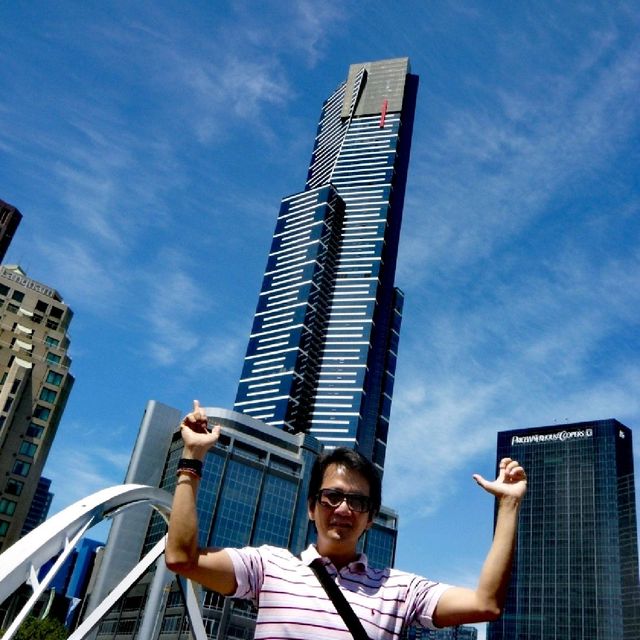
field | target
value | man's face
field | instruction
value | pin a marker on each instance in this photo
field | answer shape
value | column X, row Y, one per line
column 340, row 527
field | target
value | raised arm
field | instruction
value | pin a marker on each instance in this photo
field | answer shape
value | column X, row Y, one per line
column 460, row 606
column 212, row 568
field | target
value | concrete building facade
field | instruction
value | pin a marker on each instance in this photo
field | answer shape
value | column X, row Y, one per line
column 35, row 382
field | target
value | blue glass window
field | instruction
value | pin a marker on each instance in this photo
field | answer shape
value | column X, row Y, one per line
column 48, row 395
column 273, row 524
column 236, row 506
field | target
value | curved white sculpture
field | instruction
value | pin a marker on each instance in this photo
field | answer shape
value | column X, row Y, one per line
column 60, row 534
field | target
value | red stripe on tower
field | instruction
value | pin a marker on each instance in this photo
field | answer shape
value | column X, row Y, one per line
column 385, row 104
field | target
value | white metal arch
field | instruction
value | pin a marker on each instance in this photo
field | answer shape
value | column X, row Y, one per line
column 21, row 562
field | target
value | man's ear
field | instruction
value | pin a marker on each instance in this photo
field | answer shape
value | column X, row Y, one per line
column 311, row 505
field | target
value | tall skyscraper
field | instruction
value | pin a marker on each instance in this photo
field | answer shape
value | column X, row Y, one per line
column 34, row 385
column 322, row 353
column 576, row 567
column 10, row 218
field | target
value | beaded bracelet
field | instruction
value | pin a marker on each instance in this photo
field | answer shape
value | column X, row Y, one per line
column 188, row 465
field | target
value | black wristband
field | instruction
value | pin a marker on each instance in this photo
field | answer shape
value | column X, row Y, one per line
column 190, row 466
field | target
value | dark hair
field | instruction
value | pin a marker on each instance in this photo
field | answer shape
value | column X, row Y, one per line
column 354, row 461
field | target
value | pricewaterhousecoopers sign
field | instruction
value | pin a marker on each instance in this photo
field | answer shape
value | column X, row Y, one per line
column 558, row 436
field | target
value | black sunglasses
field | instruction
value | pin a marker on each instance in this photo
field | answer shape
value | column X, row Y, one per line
column 333, row 498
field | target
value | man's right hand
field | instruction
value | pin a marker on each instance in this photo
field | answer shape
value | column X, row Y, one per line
column 195, row 433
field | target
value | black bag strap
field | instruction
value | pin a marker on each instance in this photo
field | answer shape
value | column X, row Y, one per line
column 340, row 602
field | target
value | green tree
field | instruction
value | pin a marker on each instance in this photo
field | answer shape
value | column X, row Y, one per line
column 36, row 629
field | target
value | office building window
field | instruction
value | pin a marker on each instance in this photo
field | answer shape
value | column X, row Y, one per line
column 42, row 306
column 53, row 358
column 56, row 312
column 7, row 507
column 48, row 395
column 14, row 487
column 170, row 624
column 107, row 627
column 28, row 449
column 51, row 342
column 21, row 468
column 126, row 626
column 54, row 378
column 41, row 413
column 4, row 290
column 34, row 431
column 4, row 527
column 18, row 296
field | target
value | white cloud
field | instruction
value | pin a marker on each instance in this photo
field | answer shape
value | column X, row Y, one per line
column 488, row 174
column 173, row 302
column 312, row 22
column 93, row 469
column 523, row 352
column 82, row 275
column 222, row 93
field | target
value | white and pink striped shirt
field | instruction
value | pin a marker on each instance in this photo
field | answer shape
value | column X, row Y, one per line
column 293, row 604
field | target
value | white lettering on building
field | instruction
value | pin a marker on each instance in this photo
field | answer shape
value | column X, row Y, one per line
column 28, row 283
column 558, row 436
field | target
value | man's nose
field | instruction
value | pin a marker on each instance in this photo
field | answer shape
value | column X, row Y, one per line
column 343, row 508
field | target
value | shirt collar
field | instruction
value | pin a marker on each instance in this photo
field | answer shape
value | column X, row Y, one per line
column 359, row 565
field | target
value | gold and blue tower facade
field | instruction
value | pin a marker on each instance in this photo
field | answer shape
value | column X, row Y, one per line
column 322, row 353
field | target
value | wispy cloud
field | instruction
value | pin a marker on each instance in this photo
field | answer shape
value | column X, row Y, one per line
column 93, row 469
column 488, row 174
column 312, row 22
column 83, row 277
column 533, row 353
column 172, row 305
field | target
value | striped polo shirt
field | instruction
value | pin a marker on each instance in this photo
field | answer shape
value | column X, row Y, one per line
column 293, row 604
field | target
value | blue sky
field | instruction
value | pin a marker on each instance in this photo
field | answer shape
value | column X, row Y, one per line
column 148, row 145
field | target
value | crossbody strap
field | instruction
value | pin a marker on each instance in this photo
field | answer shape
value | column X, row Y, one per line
column 340, row 602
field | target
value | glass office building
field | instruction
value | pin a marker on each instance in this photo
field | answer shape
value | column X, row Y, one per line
column 576, row 568
column 322, row 353
column 254, row 485
column 253, row 492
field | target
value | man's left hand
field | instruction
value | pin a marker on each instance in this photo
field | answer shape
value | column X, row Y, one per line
column 511, row 480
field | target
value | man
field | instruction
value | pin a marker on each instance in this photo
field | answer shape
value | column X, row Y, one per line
column 344, row 497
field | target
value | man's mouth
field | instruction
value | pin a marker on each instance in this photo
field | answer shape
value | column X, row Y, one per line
column 345, row 524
